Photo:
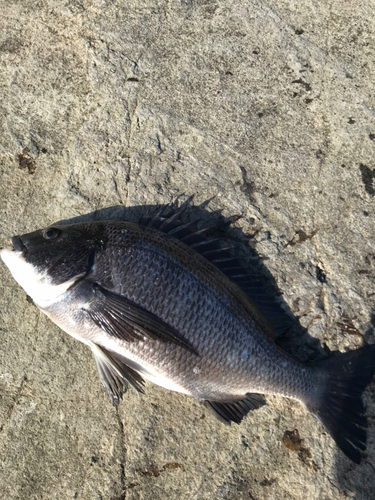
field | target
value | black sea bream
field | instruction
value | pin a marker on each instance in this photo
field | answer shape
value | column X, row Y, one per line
column 159, row 301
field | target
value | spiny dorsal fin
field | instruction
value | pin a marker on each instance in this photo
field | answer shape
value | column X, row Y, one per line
column 188, row 233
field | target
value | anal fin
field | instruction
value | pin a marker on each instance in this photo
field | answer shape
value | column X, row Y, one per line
column 228, row 411
column 115, row 375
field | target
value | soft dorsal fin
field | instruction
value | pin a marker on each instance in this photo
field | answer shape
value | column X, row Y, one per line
column 222, row 258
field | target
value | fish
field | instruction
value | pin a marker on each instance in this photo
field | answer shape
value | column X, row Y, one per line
column 158, row 300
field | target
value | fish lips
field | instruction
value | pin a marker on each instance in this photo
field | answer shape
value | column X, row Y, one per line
column 18, row 245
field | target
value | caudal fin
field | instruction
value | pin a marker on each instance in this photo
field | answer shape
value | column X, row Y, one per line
column 338, row 404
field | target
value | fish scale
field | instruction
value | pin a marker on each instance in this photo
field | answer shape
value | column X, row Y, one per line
column 150, row 306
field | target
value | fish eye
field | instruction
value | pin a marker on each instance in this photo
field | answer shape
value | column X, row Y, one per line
column 51, row 233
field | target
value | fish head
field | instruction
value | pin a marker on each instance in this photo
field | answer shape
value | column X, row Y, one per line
column 47, row 262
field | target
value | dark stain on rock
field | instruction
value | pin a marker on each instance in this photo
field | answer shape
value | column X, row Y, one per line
column 122, row 495
column 300, row 237
column 13, row 45
column 370, row 259
column 346, row 325
column 268, row 482
column 293, row 442
column 133, row 485
column 306, row 85
column 372, row 137
column 252, row 235
column 351, row 121
column 247, row 186
column 320, row 275
column 174, row 465
column 27, row 161
column 244, row 443
column 157, row 472
column 368, row 177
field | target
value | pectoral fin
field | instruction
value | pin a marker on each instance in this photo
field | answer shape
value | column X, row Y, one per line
column 228, row 411
column 124, row 319
column 115, row 375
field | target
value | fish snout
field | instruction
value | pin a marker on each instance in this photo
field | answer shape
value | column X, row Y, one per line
column 18, row 244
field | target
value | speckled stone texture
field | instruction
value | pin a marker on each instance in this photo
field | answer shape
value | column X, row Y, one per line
column 266, row 107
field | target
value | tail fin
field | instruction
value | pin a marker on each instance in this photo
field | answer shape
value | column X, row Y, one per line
column 338, row 404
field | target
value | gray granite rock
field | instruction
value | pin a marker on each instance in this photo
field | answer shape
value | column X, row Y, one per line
column 268, row 109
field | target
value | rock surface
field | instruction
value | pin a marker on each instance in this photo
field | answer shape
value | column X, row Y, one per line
column 269, row 109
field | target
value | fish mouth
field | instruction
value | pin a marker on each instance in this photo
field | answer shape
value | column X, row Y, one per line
column 18, row 245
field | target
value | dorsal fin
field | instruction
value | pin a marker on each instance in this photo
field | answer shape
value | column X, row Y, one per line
column 222, row 258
